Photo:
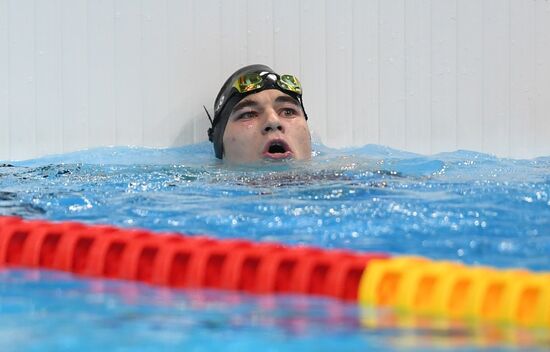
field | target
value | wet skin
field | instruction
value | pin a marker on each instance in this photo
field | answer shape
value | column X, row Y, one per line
column 269, row 125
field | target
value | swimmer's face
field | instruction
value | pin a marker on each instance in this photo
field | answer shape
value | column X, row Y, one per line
column 268, row 125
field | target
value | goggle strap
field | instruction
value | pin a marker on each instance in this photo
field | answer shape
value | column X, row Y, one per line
column 208, row 114
column 300, row 99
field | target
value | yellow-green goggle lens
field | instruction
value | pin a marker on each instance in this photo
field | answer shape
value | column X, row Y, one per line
column 290, row 83
column 246, row 83
column 253, row 81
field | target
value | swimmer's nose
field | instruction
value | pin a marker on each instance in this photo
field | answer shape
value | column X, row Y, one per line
column 272, row 123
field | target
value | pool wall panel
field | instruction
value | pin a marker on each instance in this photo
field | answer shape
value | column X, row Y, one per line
column 469, row 110
column 76, row 77
column 178, row 90
column 313, row 64
column 48, row 72
column 422, row 75
column 522, row 53
column 21, row 76
column 496, row 101
column 101, row 46
column 286, row 38
column 418, row 82
column 392, row 73
column 260, row 31
column 207, row 56
column 443, row 75
column 128, row 74
column 542, row 75
column 338, row 22
column 366, row 83
column 5, row 149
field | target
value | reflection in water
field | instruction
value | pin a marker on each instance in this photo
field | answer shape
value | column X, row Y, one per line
column 57, row 303
column 408, row 330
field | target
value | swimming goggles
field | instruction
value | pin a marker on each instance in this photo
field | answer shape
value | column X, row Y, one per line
column 254, row 81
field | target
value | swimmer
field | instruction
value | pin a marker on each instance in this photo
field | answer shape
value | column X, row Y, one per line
column 259, row 116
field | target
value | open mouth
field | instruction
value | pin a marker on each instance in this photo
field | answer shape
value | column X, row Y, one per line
column 277, row 149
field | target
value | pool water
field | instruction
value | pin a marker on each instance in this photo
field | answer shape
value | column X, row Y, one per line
column 464, row 206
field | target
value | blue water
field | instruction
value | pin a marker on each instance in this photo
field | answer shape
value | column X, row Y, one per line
column 464, row 206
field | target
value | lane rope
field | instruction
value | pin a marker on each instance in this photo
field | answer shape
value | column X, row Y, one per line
column 415, row 285
column 181, row 261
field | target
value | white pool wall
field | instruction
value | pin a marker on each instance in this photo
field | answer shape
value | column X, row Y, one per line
column 420, row 75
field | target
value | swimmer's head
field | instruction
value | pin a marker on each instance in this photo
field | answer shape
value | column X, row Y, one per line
column 259, row 114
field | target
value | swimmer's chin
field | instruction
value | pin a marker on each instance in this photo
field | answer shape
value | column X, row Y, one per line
column 277, row 157
column 287, row 157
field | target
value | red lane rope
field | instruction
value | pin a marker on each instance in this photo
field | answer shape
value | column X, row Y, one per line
column 181, row 261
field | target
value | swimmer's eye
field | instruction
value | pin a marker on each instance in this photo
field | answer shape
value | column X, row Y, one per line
column 246, row 115
column 289, row 112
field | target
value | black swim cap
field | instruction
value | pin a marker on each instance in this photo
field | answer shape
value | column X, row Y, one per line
column 228, row 97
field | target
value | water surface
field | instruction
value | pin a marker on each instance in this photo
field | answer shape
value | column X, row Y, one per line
column 464, row 206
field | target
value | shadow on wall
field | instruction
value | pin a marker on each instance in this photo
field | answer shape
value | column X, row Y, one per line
column 192, row 129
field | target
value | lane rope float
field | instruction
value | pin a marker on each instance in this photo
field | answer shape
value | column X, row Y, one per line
column 181, row 261
column 410, row 284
